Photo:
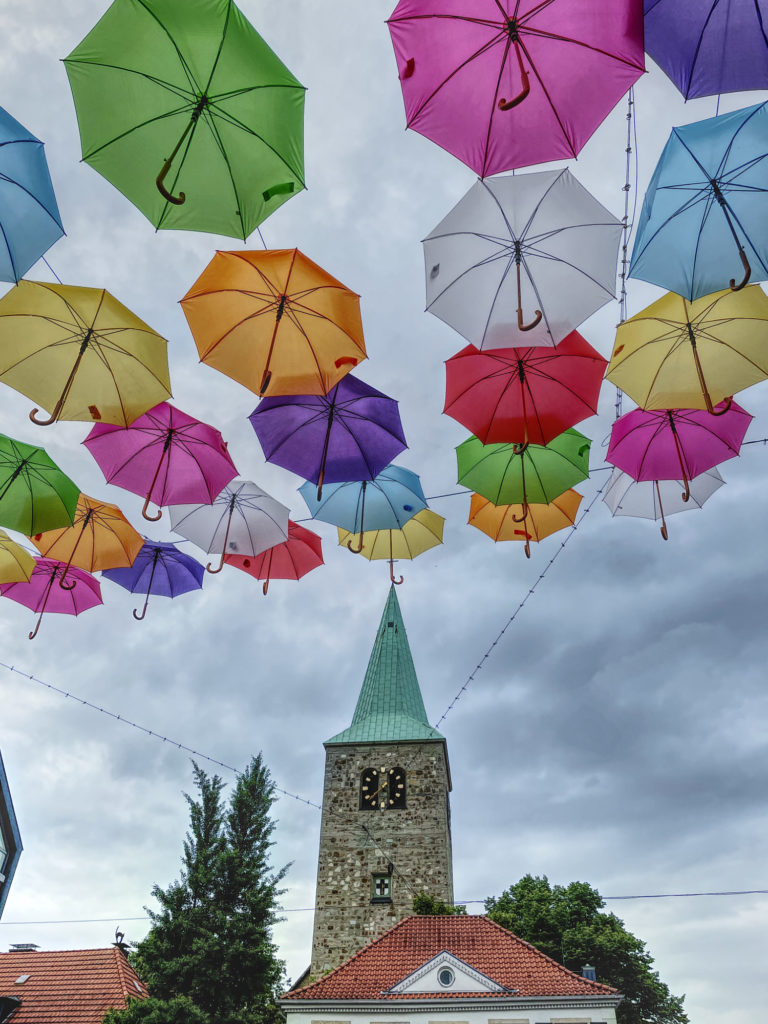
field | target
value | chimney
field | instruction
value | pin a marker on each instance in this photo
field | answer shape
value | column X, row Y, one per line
column 588, row 972
column 24, row 947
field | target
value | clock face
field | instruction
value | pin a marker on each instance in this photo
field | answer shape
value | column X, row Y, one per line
column 396, row 788
column 371, row 788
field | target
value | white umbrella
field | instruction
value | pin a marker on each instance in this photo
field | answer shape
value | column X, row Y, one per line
column 653, row 499
column 522, row 260
column 243, row 520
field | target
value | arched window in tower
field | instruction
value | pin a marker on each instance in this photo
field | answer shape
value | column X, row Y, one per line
column 396, row 788
column 373, row 788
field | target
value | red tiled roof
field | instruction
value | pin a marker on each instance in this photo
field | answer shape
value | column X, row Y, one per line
column 480, row 943
column 73, row 986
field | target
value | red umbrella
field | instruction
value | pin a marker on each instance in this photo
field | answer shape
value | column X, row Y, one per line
column 291, row 560
column 519, row 395
column 165, row 456
column 42, row 596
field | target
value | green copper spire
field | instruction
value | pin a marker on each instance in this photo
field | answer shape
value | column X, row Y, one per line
column 390, row 706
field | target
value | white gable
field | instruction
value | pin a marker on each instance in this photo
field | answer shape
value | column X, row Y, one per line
column 446, row 973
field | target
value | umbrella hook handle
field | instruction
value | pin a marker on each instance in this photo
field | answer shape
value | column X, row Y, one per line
column 168, row 196
column 726, row 407
column 220, row 566
column 138, row 616
column 392, row 574
column 537, row 314
column 528, row 327
column 67, row 586
column 265, row 588
column 359, row 548
column 152, row 519
column 747, row 273
column 516, row 100
column 523, row 517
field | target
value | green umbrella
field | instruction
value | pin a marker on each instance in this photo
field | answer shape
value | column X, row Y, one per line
column 514, row 474
column 35, row 495
column 186, row 110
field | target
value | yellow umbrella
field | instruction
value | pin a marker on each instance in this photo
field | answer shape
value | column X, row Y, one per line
column 677, row 354
column 513, row 522
column 16, row 564
column 422, row 532
column 80, row 353
column 100, row 538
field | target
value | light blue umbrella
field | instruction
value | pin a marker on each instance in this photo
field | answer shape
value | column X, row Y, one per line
column 29, row 216
column 704, row 222
column 385, row 503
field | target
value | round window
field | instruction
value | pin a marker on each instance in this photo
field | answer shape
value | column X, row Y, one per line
column 445, row 976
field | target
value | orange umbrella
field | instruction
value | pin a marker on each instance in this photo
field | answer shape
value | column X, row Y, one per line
column 275, row 322
column 100, row 538
column 507, row 522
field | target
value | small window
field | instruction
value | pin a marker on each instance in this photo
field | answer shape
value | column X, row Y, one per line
column 373, row 789
column 446, row 977
column 382, row 889
column 396, row 788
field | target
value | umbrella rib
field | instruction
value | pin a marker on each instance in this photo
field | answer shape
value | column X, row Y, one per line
column 465, row 63
column 543, row 34
column 175, row 90
column 502, row 211
column 549, row 100
column 697, row 49
column 213, row 128
column 537, row 207
column 35, row 199
column 544, row 255
column 236, row 122
column 494, row 101
column 185, row 66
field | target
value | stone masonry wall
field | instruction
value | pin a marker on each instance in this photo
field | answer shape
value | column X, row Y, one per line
column 355, row 844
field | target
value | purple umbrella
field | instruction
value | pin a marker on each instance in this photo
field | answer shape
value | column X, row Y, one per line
column 351, row 433
column 165, row 456
column 159, row 569
column 40, row 594
column 709, row 46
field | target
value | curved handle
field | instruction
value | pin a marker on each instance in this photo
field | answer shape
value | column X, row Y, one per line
column 392, row 574
column 266, row 377
column 527, row 548
column 687, row 491
column 143, row 613
column 176, row 200
column 218, row 568
column 358, row 549
column 515, row 101
column 747, row 273
column 265, row 588
column 33, row 634
column 726, row 407
column 524, row 516
column 152, row 519
column 42, row 423
column 664, row 533
column 67, row 586
column 528, row 327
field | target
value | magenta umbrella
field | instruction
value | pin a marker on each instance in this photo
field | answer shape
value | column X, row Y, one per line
column 673, row 444
column 40, row 594
column 165, row 456
column 508, row 83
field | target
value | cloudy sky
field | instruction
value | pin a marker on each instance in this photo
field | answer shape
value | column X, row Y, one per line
column 615, row 733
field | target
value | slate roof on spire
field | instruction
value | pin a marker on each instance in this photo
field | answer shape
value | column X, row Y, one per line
column 390, row 707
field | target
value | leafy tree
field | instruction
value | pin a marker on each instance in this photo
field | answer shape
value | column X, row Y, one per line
column 425, row 904
column 211, row 941
column 568, row 924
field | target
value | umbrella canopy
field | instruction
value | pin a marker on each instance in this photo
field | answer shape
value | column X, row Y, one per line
column 29, row 215
column 709, row 47
column 275, row 321
column 80, row 353
column 507, row 83
column 16, row 563
column 522, row 260
column 677, row 354
column 290, row 560
column 34, row 493
column 422, row 532
column 243, row 520
column 511, row 474
column 533, row 521
column 165, row 456
column 704, row 221
column 668, row 444
column 656, row 499
column 187, row 111
column 40, row 594
column 523, row 394
column 159, row 569
column 99, row 538
column 352, row 433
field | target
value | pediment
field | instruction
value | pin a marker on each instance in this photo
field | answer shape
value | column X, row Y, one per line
column 446, row 973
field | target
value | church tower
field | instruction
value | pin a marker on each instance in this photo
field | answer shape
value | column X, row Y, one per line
column 385, row 833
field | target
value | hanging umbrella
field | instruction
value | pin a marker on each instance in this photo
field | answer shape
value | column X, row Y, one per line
column 529, row 247
column 533, row 521
column 711, row 47
column 523, row 394
column 29, row 215
column 159, row 569
column 243, row 520
column 704, row 221
column 275, row 321
column 40, row 594
column 16, row 563
column 656, row 499
column 165, row 456
column 187, row 111
column 352, row 433
column 99, row 538
column 80, row 353
column 422, row 532
column 511, row 474
column 290, row 560
column 385, row 503
column 34, row 493
column 677, row 354
column 668, row 444
column 506, row 83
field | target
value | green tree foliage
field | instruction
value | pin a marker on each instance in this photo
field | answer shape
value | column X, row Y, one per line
column 158, row 1011
column 568, row 923
column 211, row 940
column 431, row 906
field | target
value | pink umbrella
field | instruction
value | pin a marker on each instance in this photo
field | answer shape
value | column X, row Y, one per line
column 673, row 444
column 294, row 558
column 165, row 456
column 40, row 594
column 509, row 83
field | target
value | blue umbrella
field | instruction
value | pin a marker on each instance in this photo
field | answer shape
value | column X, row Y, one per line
column 385, row 503
column 29, row 216
column 158, row 569
column 704, row 222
